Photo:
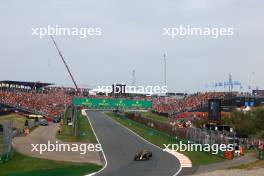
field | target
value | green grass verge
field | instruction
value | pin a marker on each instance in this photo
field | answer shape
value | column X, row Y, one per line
column 22, row 165
column 66, row 134
column 197, row 158
column 84, row 130
column 153, row 116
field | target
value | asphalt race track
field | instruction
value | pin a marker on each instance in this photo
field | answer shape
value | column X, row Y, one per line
column 120, row 146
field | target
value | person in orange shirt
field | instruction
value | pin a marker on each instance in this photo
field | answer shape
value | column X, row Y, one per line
column 241, row 151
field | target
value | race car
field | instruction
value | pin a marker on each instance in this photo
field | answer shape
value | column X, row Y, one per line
column 143, row 155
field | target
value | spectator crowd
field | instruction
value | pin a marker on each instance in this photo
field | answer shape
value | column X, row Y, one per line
column 188, row 103
column 50, row 102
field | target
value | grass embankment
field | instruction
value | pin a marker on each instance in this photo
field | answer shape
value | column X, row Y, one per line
column 18, row 120
column 197, row 158
column 22, row 165
column 153, row 116
column 84, row 131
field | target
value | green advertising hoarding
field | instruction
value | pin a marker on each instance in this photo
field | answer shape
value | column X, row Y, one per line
column 110, row 103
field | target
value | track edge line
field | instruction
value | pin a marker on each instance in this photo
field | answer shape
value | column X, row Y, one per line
column 105, row 165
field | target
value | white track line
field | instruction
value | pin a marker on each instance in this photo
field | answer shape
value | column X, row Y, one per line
column 102, row 148
column 147, row 142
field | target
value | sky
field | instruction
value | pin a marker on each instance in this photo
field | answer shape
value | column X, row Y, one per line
column 132, row 39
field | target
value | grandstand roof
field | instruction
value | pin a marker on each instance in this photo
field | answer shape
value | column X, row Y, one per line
column 28, row 84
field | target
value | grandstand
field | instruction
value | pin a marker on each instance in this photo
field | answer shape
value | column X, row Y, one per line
column 199, row 102
column 50, row 100
column 21, row 85
column 192, row 102
column 35, row 97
